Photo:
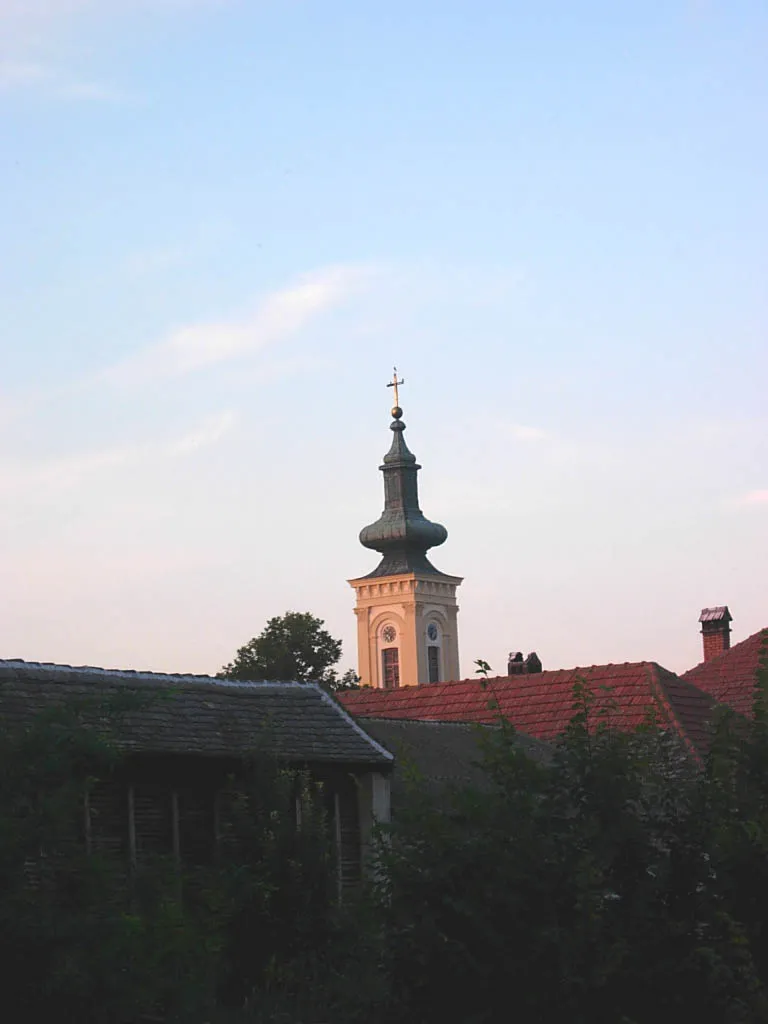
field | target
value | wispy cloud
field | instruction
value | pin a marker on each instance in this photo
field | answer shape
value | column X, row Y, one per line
column 156, row 260
column 40, row 10
column 502, row 426
column 43, row 12
column 280, row 315
column 51, row 81
column 209, row 235
column 11, row 408
column 93, row 92
column 499, row 435
column 31, row 29
column 210, row 432
column 15, row 74
column 526, row 433
column 759, row 497
column 72, row 470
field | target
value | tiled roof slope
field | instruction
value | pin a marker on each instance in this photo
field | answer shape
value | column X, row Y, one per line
column 197, row 714
column 730, row 677
column 541, row 705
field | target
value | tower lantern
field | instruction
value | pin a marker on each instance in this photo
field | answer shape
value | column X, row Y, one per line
column 406, row 608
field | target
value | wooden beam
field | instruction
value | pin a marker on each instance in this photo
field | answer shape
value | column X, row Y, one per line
column 131, row 828
column 175, row 826
column 87, row 820
column 337, row 841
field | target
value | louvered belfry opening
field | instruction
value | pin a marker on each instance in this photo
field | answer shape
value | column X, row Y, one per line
column 107, row 819
column 154, row 808
column 178, row 808
column 197, row 825
column 345, row 823
column 150, row 809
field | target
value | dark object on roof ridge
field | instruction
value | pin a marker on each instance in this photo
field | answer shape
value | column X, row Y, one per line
column 718, row 614
column 533, row 664
column 541, row 705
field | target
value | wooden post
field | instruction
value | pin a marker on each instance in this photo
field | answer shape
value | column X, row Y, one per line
column 87, row 821
column 131, row 828
column 337, row 840
column 175, row 826
column 217, row 825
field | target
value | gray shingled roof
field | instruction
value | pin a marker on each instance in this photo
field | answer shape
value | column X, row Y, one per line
column 442, row 753
column 186, row 714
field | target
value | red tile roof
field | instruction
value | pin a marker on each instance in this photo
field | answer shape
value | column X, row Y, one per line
column 730, row 677
column 541, row 705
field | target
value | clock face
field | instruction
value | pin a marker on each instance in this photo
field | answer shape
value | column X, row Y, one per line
column 389, row 634
column 432, row 631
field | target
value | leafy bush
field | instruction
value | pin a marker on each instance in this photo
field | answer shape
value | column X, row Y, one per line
column 619, row 882
column 86, row 938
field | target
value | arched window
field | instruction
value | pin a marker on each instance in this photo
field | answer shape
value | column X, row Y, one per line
column 390, row 658
column 390, row 668
column 433, row 652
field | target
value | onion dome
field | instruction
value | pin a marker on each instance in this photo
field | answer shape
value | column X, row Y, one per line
column 402, row 534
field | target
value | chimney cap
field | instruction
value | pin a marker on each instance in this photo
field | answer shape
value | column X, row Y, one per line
column 719, row 614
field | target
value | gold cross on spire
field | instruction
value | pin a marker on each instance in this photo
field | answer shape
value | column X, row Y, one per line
column 395, row 383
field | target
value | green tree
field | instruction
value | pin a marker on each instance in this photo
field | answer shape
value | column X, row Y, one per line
column 291, row 647
column 350, row 680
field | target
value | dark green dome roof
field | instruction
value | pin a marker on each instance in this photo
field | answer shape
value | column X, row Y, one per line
column 402, row 534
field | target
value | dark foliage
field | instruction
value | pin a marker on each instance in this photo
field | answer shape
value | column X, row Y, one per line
column 86, row 937
column 293, row 647
column 619, row 883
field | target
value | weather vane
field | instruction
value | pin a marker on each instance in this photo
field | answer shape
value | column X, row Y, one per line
column 395, row 383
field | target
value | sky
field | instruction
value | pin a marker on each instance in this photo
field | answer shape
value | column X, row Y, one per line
column 224, row 222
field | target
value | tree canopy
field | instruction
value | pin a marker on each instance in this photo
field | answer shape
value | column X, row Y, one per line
column 292, row 647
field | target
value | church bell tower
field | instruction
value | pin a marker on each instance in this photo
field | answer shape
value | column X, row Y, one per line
column 406, row 608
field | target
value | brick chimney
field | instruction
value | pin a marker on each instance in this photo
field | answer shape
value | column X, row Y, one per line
column 715, row 630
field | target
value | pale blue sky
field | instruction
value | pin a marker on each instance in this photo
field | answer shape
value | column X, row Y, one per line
column 223, row 221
